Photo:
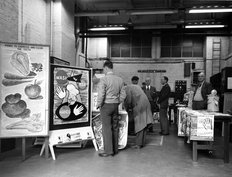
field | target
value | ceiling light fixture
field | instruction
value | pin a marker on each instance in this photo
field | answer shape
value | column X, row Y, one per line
column 210, row 9
column 151, row 12
column 204, row 26
column 166, row 26
column 97, row 13
column 108, row 28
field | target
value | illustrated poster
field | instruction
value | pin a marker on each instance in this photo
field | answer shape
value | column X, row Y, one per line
column 70, row 97
column 202, row 128
column 182, row 122
column 24, row 88
column 123, row 130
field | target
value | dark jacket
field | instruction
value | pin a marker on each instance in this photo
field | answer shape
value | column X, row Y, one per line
column 152, row 97
column 205, row 90
column 152, row 93
column 164, row 96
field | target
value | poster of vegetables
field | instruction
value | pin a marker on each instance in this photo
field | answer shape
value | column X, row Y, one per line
column 24, row 88
column 70, row 98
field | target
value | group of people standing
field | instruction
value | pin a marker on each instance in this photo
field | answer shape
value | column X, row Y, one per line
column 140, row 103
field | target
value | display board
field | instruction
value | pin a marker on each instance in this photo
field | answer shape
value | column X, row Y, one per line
column 58, row 61
column 202, row 128
column 182, row 122
column 196, row 125
column 70, row 115
column 24, row 72
column 123, row 130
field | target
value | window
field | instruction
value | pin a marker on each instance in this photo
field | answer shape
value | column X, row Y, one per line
column 133, row 46
column 97, row 47
column 172, row 46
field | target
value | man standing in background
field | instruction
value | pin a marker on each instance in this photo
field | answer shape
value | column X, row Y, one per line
column 202, row 90
column 163, row 101
column 111, row 93
column 150, row 91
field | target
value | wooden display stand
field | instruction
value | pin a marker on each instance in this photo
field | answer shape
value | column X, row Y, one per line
column 67, row 137
column 225, row 119
column 123, row 130
column 24, row 105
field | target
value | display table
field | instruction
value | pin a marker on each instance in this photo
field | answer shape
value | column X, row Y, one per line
column 199, row 126
column 170, row 108
column 122, row 134
column 174, row 107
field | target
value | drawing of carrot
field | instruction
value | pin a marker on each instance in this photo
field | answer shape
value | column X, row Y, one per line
column 11, row 82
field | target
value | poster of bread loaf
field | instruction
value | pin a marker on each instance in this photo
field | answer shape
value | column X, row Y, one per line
column 24, row 70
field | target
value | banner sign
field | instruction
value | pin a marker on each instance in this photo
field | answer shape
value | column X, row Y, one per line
column 151, row 71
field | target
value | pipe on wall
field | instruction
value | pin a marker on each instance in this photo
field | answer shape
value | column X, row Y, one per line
column 51, row 27
column 20, row 21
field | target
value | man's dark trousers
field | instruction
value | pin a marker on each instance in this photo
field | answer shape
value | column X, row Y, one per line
column 109, row 116
column 164, row 123
column 141, row 137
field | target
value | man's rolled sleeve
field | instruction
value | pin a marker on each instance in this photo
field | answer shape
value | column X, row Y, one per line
column 122, row 95
column 101, row 93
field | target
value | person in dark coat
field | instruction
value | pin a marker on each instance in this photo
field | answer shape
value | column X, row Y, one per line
column 163, row 102
column 138, row 108
column 151, row 93
column 201, row 93
column 131, row 123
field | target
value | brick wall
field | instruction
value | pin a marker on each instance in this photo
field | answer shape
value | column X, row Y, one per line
column 68, row 38
column 29, row 21
column 34, row 22
column 63, row 31
column 9, row 20
column 174, row 71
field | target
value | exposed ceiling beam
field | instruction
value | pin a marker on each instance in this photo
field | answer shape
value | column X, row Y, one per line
column 151, row 12
column 96, row 13
column 128, row 12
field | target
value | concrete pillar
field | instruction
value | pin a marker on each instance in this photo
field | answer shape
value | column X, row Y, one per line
column 208, row 68
column 63, row 39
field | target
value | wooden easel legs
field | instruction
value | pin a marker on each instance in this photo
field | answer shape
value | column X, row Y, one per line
column 45, row 147
column 23, row 149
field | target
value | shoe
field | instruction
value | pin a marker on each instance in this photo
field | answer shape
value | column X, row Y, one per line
column 136, row 147
column 103, row 155
column 165, row 134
